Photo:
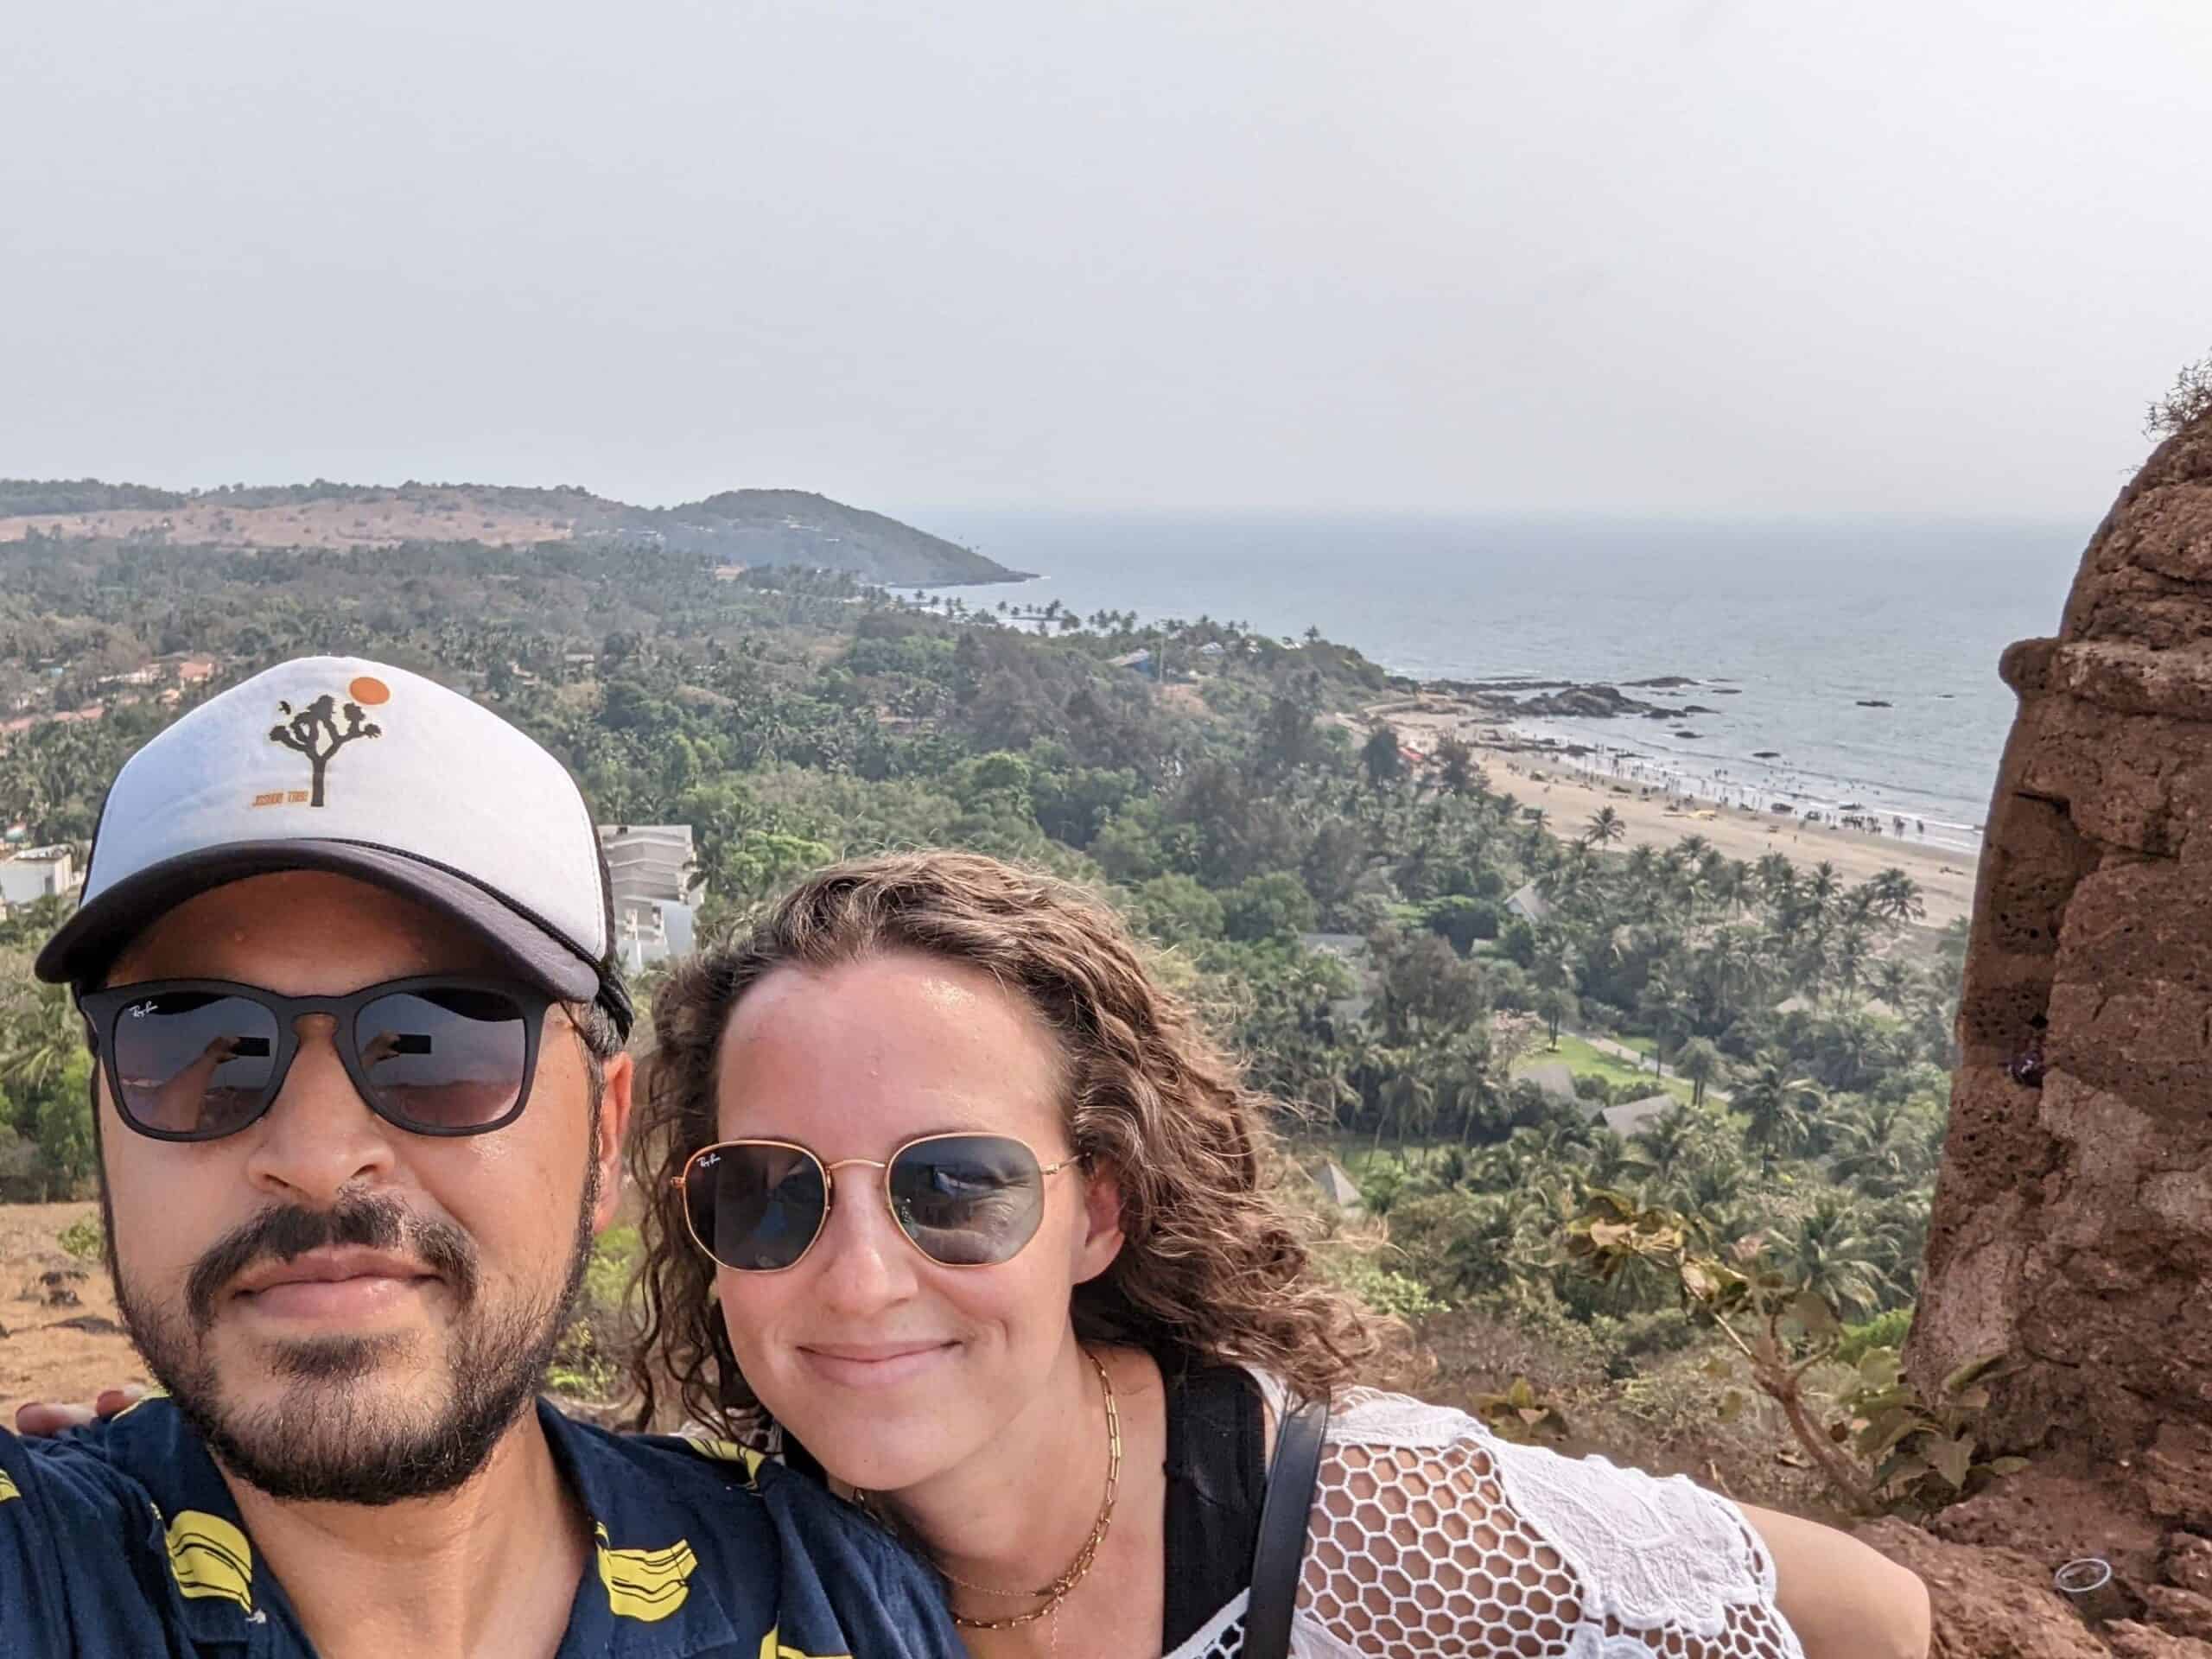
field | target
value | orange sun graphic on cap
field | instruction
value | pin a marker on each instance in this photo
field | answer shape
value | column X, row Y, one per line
column 368, row 691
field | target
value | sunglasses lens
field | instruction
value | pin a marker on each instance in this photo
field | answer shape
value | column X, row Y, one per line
column 755, row 1207
column 968, row 1200
column 193, row 1064
column 444, row 1060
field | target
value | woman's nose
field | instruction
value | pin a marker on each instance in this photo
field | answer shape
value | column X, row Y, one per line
column 867, row 1262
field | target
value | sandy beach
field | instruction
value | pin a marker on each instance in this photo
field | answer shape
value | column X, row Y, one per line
column 1946, row 875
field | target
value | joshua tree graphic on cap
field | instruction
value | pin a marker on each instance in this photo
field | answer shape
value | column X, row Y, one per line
column 314, row 731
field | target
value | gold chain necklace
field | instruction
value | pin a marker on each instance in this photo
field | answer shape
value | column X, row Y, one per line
column 1057, row 1592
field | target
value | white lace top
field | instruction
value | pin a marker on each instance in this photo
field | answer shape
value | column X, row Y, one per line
column 1433, row 1539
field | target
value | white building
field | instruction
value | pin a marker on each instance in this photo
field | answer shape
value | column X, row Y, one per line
column 1338, row 1187
column 651, row 868
column 30, row 873
column 1530, row 903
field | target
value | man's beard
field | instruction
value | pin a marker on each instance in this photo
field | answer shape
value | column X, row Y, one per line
column 329, row 1439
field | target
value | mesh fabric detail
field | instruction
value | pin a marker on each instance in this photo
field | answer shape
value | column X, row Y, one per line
column 1433, row 1539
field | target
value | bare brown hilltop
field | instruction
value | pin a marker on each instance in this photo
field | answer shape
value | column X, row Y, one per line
column 744, row 527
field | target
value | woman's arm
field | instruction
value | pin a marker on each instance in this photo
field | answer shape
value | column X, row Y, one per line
column 1843, row 1599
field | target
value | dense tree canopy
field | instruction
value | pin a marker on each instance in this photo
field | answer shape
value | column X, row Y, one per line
column 1338, row 905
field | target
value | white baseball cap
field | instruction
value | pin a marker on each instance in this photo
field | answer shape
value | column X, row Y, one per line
column 331, row 763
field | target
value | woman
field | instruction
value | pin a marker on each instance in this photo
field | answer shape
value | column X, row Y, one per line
column 992, row 1240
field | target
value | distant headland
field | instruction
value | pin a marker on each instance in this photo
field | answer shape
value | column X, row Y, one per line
column 742, row 527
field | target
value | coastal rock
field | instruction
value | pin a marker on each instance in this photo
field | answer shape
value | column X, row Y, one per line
column 2072, row 1228
column 1585, row 703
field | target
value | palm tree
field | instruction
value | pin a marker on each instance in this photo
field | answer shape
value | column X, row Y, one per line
column 1604, row 826
column 1773, row 1103
column 1700, row 1061
column 1665, row 1147
column 1732, row 885
column 1668, row 1009
column 1848, row 954
column 1379, row 755
column 1850, row 1047
column 1537, row 848
column 1643, row 868
column 41, row 1032
column 1611, row 1160
column 1832, row 1252
column 1896, row 984
column 1557, row 1006
column 1710, row 1193
column 1823, row 887
column 1896, row 896
column 1729, row 970
column 1777, row 876
column 1875, row 1150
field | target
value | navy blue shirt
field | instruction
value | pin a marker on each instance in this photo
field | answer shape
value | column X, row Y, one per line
column 121, row 1543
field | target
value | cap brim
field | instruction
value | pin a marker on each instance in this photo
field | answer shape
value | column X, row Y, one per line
column 83, row 946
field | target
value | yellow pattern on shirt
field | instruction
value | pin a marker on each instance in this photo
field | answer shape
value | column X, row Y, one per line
column 771, row 1647
column 211, row 1557
column 727, row 1452
column 645, row 1583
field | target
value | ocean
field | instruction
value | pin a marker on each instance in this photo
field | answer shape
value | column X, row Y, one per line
column 1788, row 629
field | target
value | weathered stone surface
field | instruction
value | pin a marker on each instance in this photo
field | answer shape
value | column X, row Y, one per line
column 2132, row 1641
column 2073, row 1220
column 2177, row 1473
column 2184, row 1612
column 2054, row 1514
column 2189, row 1562
column 1986, row 1603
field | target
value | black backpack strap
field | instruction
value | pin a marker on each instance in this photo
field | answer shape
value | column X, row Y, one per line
column 1280, row 1553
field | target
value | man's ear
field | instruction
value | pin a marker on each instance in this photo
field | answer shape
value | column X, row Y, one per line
column 618, row 1074
column 1101, row 1240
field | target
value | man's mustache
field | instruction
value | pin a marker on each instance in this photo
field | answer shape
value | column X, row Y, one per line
column 289, row 1232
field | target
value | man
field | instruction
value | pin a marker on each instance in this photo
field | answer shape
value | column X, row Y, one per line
column 345, row 958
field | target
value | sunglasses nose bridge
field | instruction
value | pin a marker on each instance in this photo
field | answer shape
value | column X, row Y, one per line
column 830, row 1171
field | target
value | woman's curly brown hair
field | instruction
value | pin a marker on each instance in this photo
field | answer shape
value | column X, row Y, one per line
column 1214, row 1264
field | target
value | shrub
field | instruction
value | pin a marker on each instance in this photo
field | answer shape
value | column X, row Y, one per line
column 1272, row 906
column 1462, row 920
column 83, row 1239
column 1392, row 1294
column 614, row 1258
column 2187, row 400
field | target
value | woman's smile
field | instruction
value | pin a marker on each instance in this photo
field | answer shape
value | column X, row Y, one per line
column 875, row 1364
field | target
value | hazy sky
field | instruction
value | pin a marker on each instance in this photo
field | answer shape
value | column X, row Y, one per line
column 1708, row 256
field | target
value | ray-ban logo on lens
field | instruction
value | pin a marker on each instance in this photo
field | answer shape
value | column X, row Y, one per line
column 319, row 731
column 140, row 1010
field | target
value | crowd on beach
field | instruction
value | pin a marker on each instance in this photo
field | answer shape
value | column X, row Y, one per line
column 1776, row 790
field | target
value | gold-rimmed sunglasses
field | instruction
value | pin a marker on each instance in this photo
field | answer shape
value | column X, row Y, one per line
column 962, row 1200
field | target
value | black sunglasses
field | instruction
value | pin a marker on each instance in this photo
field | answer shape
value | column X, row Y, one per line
column 962, row 1200
column 195, row 1060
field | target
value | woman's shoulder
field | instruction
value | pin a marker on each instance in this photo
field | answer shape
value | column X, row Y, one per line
column 1428, row 1496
